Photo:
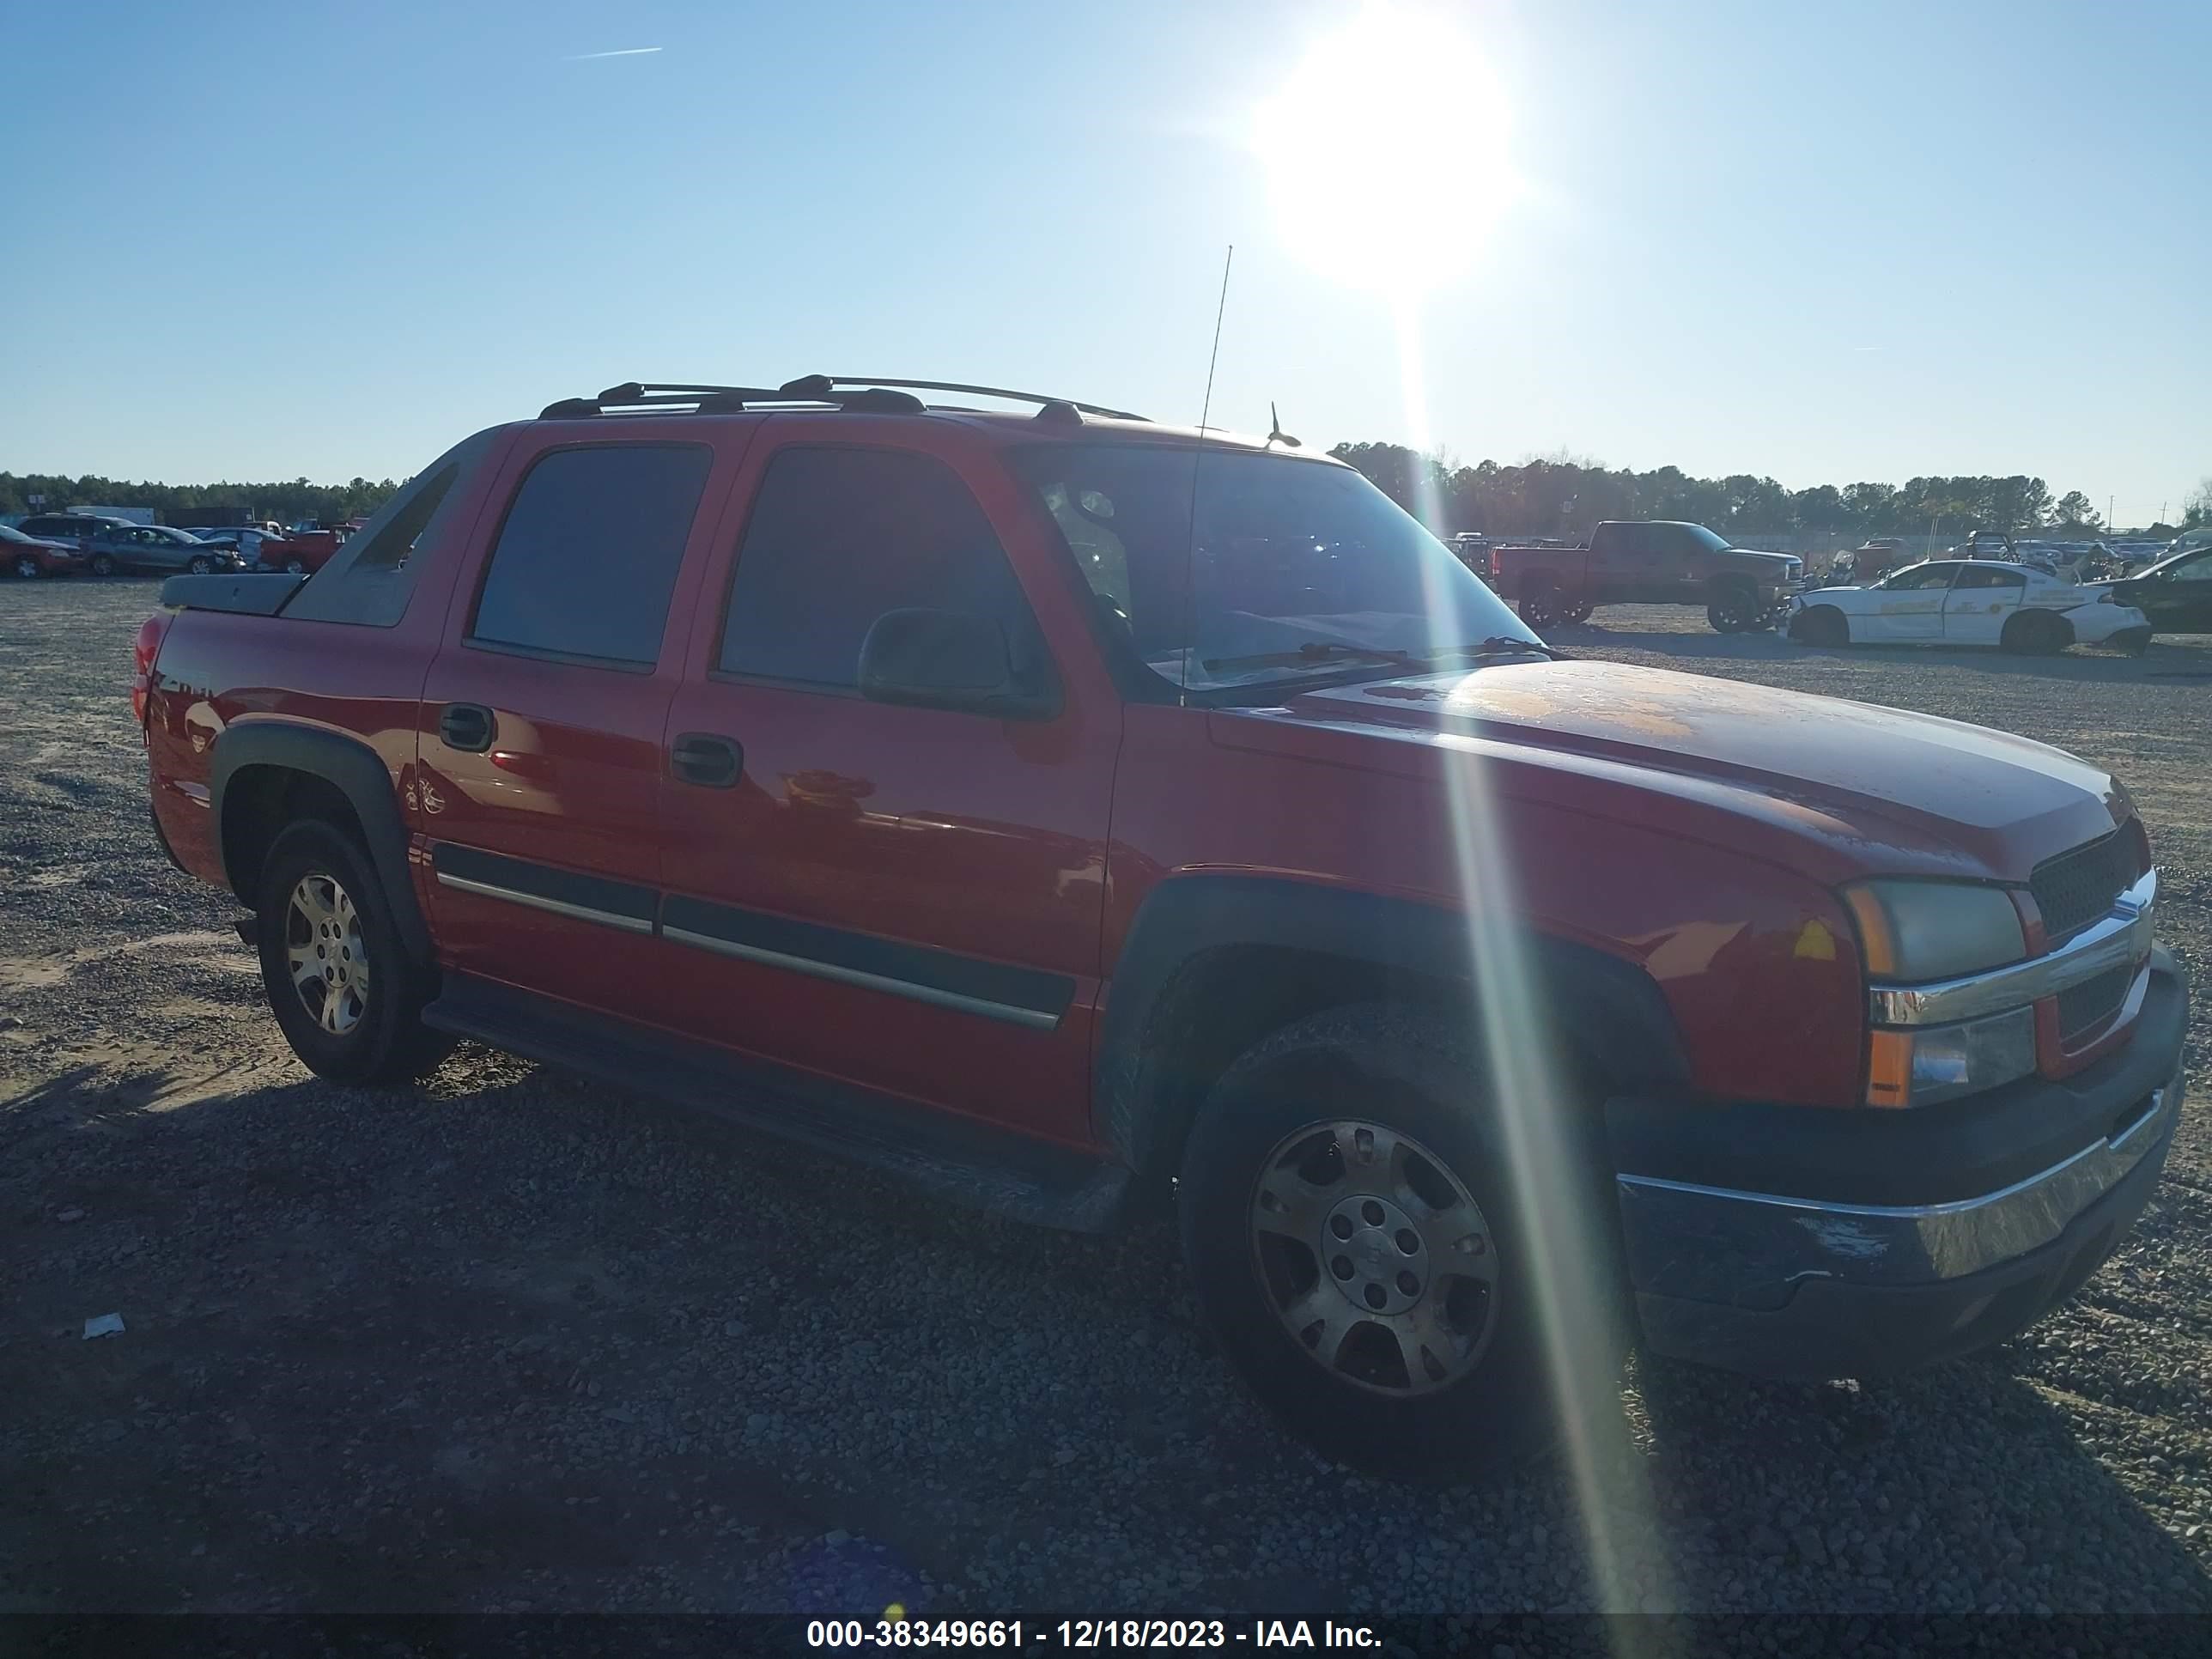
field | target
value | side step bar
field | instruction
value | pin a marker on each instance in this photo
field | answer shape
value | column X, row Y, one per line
column 991, row 1170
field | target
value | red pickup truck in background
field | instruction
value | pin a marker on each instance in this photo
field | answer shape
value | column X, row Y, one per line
column 1648, row 561
column 1051, row 806
column 302, row 552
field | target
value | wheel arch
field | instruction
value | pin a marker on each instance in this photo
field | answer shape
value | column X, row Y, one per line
column 1212, row 964
column 267, row 774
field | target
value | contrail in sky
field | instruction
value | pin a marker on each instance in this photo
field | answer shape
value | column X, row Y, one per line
column 626, row 51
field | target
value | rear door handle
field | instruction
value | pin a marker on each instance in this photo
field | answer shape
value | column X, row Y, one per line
column 467, row 726
column 710, row 761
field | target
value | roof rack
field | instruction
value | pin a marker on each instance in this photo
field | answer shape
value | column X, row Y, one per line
column 854, row 393
column 826, row 383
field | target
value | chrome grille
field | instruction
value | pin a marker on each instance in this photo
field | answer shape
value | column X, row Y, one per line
column 2085, row 1006
column 2075, row 888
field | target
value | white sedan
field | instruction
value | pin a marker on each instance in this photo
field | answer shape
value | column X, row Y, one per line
column 1967, row 602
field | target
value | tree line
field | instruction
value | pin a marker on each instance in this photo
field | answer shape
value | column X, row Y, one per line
column 296, row 502
column 1566, row 497
column 1553, row 498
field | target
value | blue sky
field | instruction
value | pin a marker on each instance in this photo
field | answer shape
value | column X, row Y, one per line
column 1825, row 243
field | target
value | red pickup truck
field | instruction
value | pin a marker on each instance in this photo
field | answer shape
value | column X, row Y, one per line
column 1074, row 812
column 1648, row 561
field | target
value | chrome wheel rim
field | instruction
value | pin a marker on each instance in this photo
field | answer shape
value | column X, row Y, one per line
column 1375, row 1257
column 325, row 953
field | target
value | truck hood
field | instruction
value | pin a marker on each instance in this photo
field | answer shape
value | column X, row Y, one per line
column 1878, row 789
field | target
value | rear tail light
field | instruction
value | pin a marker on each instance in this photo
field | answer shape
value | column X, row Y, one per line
column 143, row 650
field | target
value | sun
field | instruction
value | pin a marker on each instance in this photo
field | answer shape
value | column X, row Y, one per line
column 1385, row 151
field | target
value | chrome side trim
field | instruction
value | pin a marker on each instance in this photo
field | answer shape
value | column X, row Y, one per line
column 2121, row 939
column 1716, row 1244
column 535, row 901
column 1036, row 1019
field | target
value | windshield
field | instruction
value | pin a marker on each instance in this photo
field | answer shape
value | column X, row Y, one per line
column 1712, row 540
column 1287, row 569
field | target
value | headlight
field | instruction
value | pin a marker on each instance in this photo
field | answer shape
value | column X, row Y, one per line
column 1911, row 931
column 1935, row 1062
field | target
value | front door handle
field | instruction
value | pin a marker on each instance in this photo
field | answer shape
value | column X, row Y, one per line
column 710, row 761
column 467, row 726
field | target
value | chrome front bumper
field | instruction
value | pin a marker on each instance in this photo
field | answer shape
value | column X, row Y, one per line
column 1744, row 1239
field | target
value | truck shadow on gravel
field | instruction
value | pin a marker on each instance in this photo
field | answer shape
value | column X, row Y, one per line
column 1961, row 1488
column 519, row 1341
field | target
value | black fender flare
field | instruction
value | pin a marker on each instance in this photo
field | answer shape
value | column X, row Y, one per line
column 1612, row 1010
column 355, row 770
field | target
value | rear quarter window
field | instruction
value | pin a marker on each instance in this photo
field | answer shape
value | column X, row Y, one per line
column 370, row 580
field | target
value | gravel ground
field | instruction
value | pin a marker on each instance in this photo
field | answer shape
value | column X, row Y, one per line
column 519, row 1342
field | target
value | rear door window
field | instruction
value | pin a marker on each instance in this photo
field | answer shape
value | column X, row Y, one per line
column 587, row 558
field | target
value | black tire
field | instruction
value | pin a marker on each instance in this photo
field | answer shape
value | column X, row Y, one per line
column 1541, row 606
column 1581, row 612
column 1411, row 1075
column 201, row 565
column 1821, row 625
column 1733, row 608
column 102, row 565
column 2036, row 634
column 2134, row 641
column 384, row 1040
column 29, row 568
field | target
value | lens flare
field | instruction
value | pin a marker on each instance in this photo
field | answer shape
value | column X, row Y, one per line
column 1385, row 152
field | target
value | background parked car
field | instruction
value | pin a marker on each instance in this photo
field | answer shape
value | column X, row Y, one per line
column 2175, row 593
column 157, row 549
column 1981, row 601
column 76, row 529
column 32, row 556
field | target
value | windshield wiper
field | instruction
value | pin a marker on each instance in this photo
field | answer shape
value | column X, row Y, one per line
column 1313, row 654
column 1316, row 653
column 1499, row 645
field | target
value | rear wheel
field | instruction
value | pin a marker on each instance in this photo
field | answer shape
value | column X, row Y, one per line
column 344, row 990
column 29, row 568
column 1541, row 606
column 102, row 565
column 1350, row 1230
column 1581, row 612
column 1822, row 625
column 295, row 567
column 2036, row 634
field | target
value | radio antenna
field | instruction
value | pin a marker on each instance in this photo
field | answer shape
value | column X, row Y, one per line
column 1219, row 311
column 1190, row 544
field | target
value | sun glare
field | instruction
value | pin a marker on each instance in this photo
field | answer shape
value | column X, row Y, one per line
column 1385, row 151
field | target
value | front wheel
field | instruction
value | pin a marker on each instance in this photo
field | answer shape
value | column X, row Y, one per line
column 346, row 994
column 201, row 565
column 295, row 567
column 102, row 565
column 29, row 568
column 1351, row 1231
column 1733, row 611
column 1822, row 625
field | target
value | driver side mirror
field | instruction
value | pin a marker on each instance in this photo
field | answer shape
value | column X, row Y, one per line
column 946, row 659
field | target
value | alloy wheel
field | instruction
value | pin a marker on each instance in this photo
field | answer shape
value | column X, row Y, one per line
column 1375, row 1257
column 27, row 567
column 327, row 954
